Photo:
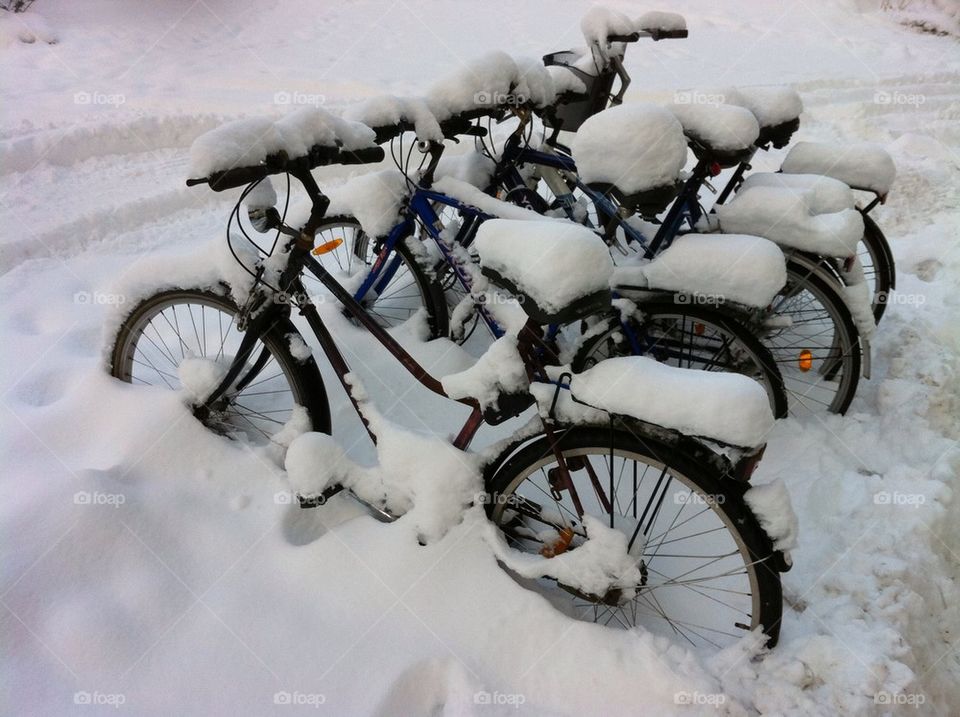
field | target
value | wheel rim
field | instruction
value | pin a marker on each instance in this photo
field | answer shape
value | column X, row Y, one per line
column 701, row 584
column 193, row 327
column 815, row 354
column 350, row 262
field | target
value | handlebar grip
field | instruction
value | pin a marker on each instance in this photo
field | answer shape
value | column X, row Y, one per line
column 237, row 177
column 631, row 37
column 669, row 34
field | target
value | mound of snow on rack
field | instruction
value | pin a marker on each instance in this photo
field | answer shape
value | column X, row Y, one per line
column 726, row 407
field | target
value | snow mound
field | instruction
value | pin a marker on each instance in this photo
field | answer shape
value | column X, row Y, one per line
column 248, row 142
column 553, row 262
column 823, row 195
column 725, row 407
column 488, row 82
column 599, row 23
column 862, row 165
column 770, row 502
column 635, row 147
column 723, row 127
column 385, row 110
column 374, row 199
column 784, row 216
column 499, row 370
column 729, row 267
column 660, row 20
column 770, row 105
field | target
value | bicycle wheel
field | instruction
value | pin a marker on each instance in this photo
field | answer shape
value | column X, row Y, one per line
column 690, row 336
column 410, row 289
column 708, row 568
column 172, row 338
column 814, row 341
column 878, row 265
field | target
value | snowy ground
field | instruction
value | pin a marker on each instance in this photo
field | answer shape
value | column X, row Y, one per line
column 147, row 566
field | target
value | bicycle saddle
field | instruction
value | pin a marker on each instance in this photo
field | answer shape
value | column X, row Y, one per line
column 558, row 271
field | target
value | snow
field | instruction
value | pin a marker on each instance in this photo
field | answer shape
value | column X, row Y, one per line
column 489, row 81
column 722, row 127
column 499, row 370
column 739, row 268
column 862, row 165
column 770, row 502
column 634, row 146
column 599, row 23
column 660, row 20
column 824, row 195
column 770, row 105
column 784, row 216
column 194, row 585
column 385, row 110
column 247, row 142
column 472, row 167
column 262, row 196
column 565, row 81
column 298, row 348
column 374, row 199
column 470, row 194
column 726, row 407
column 554, row 263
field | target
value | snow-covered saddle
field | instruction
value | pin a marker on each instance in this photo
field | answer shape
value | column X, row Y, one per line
column 861, row 165
column 777, row 110
column 633, row 153
column 559, row 271
column 718, row 133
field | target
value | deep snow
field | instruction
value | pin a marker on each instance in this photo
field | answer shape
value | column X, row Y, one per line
column 150, row 563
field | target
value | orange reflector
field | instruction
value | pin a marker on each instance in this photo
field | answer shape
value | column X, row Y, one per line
column 698, row 329
column 805, row 361
column 558, row 546
column 327, row 247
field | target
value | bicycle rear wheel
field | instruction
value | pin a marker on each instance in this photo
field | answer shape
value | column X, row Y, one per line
column 813, row 339
column 707, row 567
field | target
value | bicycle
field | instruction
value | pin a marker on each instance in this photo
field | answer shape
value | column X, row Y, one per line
column 542, row 487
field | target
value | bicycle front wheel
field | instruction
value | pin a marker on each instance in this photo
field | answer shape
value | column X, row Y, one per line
column 708, row 568
column 173, row 338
